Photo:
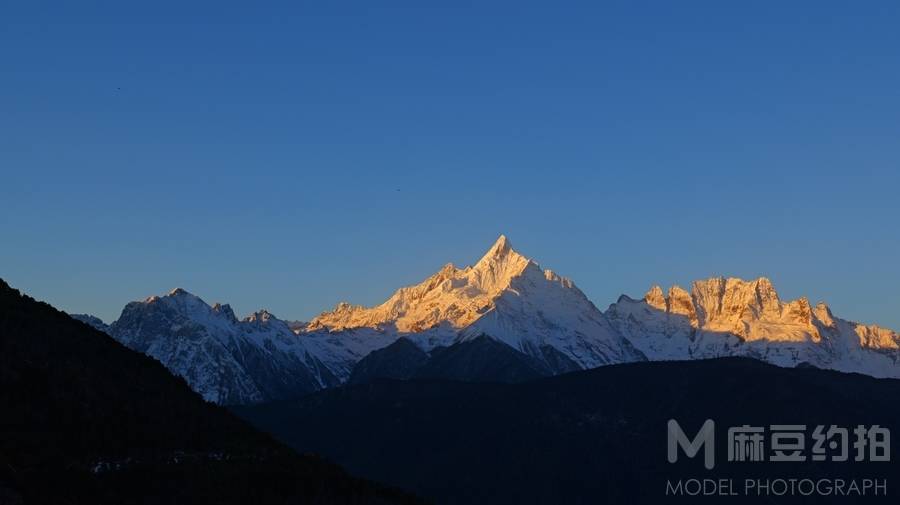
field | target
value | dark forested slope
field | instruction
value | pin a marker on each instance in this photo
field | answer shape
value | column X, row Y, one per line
column 85, row 420
column 595, row 436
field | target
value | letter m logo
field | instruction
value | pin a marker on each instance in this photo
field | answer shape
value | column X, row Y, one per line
column 705, row 439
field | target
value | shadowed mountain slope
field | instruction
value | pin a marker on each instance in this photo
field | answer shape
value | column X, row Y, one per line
column 85, row 420
column 596, row 436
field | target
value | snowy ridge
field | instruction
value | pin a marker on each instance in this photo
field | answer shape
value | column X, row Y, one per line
column 225, row 360
column 453, row 296
column 504, row 296
column 733, row 317
column 509, row 299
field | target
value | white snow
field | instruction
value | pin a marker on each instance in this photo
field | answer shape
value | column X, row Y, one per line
column 509, row 298
column 505, row 296
column 733, row 317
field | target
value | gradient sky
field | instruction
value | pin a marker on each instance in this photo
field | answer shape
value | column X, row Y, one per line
column 292, row 155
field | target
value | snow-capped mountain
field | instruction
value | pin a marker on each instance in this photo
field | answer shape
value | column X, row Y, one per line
column 733, row 317
column 225, row 360
column 501, row 319
column 504, row 296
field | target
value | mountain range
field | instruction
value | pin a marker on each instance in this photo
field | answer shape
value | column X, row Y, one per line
column 502, row 319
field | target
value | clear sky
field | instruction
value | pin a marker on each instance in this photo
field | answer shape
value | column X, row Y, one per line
column 292, row 155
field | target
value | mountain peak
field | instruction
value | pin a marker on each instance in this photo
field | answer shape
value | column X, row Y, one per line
column 177, row 300
column 823, row 314
column 263, row 319
column 261, row 315
column 499, row 265
column 500, row 249
column 225, row 310
column 655, row 298
column 730, row 286
column 453, row 296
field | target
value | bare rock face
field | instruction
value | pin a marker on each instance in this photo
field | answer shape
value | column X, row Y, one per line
column 734, row 317
column 656, row 299
column 680, row 302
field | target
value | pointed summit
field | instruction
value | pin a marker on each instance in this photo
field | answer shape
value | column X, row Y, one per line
column 655, row 298
column 823, row 313
column 501, row 248
column 452, row 296
column 225, row 310
column 183, row 297
column 498, row 266
column 501, row 256
column 261, row 315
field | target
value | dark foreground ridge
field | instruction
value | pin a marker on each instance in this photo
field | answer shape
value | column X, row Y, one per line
column 85, row 420
column 596, row 436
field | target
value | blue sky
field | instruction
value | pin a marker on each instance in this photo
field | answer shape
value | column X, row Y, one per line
column 292, row 155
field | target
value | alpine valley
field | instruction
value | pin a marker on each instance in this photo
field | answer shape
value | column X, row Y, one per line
column 504, row 319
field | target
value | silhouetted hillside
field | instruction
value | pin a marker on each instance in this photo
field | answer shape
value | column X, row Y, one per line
column 400, row 360
column 482, row 360
column 85, row 420
column 597, row 436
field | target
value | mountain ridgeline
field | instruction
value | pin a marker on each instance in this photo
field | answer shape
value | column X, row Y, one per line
column 502, row 319
column 594, row 436
column 86, row 420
